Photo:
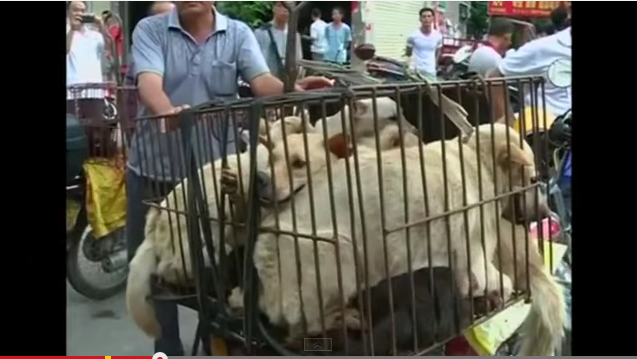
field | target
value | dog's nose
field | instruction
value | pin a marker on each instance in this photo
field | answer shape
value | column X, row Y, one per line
column 263, row 180
column 263, row 184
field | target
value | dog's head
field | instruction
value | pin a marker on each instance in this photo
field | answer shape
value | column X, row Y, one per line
column 514, row 168
column 390, row 138
column 362, row 114
column 290, row 167
column 521, row 208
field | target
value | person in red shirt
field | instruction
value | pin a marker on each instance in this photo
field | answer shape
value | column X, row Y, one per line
column 115, row 32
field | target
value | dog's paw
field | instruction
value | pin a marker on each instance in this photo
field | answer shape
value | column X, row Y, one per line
column 500, row 295
column 293, row 343
column 507, row 287
column 235, row 300
column 351, row 318
column 229, row 181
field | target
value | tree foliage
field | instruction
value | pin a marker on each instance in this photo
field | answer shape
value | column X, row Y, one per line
column 478, row 22
column 253, row 13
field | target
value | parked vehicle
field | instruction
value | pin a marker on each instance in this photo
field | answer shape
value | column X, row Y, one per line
column 106, row 254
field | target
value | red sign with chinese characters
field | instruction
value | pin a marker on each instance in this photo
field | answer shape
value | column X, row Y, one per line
column 524, row 8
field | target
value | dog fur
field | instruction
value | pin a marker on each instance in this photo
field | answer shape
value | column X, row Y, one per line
column 363, row 119
column 543, row 329
column 166, row 253
column 275, row 256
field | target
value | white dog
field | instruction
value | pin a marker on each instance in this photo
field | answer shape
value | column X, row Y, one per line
column 275, row 255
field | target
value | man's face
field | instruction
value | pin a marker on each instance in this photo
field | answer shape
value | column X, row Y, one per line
column 280, row 13
column 76, row 10
column 336, row 15
column 427, row 19
column 506, row 41
column 189, row 8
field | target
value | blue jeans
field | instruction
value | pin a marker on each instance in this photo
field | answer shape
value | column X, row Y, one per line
column 138, row 189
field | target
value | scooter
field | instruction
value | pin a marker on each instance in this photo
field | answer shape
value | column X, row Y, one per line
column 107, row 255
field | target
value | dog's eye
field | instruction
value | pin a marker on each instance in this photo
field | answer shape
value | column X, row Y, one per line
column 298, row 163
column 534, row 180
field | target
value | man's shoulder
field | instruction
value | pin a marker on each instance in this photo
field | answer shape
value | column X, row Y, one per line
column 318, row 24
column 92, row 34
column 415, row 34
column 263, row 28
column 156, row 23
column 485, row 51
column 238, row 27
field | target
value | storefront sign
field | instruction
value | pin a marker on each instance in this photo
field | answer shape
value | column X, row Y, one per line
column 524, row 8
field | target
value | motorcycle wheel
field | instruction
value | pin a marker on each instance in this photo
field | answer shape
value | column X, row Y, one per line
column 76, row 276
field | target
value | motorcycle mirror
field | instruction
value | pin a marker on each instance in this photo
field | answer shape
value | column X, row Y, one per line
column 559, row 73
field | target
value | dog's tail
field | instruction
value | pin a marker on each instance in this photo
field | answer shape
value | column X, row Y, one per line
column 144, row 264
column 543, row 329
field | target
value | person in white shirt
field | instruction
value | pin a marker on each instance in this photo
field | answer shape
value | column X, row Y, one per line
column 425, row 44
column 338, row 38
column 489, row 54
column 539, row 57
column 317, row 35
column 84, row 50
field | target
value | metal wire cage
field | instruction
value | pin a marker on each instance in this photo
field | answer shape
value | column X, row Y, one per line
column 105, row 111
column 371, row 230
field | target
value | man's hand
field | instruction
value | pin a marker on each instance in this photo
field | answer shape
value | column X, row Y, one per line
column 312, row 83
column 99, row 23
column 170, row 122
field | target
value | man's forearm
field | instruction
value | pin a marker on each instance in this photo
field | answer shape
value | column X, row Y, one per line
column 438, row 54
column 266, row 85
column 499, row 100
column 153, row 97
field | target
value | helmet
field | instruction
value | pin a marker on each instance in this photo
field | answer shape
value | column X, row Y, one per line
column 560, row 131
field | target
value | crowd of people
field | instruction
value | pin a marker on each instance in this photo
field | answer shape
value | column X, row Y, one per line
column 189, row 53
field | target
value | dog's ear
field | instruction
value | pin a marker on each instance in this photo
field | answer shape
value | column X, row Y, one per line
column 516, row 156
column 360, row 108
column 264, row 141
column 339, row 145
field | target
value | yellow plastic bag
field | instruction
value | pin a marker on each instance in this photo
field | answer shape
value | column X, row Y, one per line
column 487, row 337
column 105, row 195
column 530, row 121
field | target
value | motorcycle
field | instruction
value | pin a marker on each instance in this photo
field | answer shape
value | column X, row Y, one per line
column 108, row 253
column 458, row 65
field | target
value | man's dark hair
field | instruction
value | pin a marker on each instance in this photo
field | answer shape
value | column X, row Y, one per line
column 425, row 9
column 547, row 29
column 559, row 16
column 316, row 12
column 339, row 9
column 500, row 27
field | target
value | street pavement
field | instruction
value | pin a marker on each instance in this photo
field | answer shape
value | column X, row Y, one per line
column 104, row 329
